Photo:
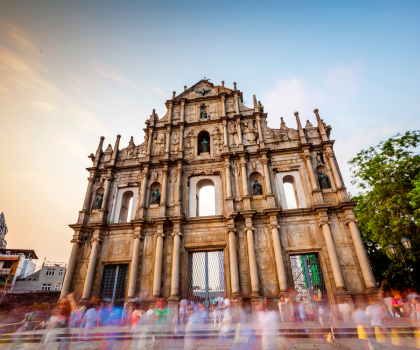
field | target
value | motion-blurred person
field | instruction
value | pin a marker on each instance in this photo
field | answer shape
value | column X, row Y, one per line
column 397, row 305
column 321, row 313
column 270, row 330
column 374, row 314
column 182, row 311
column 345, row 311
column 362, row 322
column 244, row 338
column 90, row 319
column 59, row 320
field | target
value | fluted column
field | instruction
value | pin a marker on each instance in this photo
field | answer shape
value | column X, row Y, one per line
column 157, row 276
column 107, row 188
column 333, row 165
column 134, row 266
column 70, row 269
column 333, row 256
column 223, row 105
column 182, row 111
column 267, row 176
column 228, row 178
column 278, row 254
column 225, row 135
column 312, row 178
column 237, row 104
column 181, row 137
column 253, row 269
column 91, row 268
column 176, row 261
column 239, row 131
column 260, row 134
column 233, row 259
column 88, row 194
column 179, row 187
column 168, row 139
column 164, row 190
column 144, row 186
column 149, row 144
column 361, row 255
column 244, row 177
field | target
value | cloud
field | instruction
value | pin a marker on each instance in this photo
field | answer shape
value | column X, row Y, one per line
column 111, row 73
column 159, row 91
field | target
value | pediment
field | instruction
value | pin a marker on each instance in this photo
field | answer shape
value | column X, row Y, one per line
column 197, row 89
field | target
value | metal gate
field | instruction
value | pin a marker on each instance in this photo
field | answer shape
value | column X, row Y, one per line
column 114, row 283
column 309, row 281
column 206, row 275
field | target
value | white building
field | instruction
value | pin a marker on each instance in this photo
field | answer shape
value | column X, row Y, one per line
column 14, row 264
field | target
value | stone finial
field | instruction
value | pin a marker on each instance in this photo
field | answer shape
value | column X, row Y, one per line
column 234, row 86
column 255, row 102
column 173, row 94
column 185, row 88
column 316, row 110
column 296, row 114
column 223, row 83
column 282, row 124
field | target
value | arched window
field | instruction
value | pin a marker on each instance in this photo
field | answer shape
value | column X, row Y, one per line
column 290, row 191
column 203, row 135
column 206, row 201
column 126, row 206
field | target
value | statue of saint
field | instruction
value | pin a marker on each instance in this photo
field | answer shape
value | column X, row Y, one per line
column 323, row 180
column 203, row 114
column 257, row 188
column 156, row 196
column 98, row 201
column 204, row 146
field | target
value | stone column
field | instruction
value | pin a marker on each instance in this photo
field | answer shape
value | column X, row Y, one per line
column 333, row 165
column 361, row 255
column 237, row 104
column 239, row 131
column 314, row 183
column 164, row 190
column 176, row 262
column 223, row 105
column 179, row 192
column 144, row 186
column 244, row 177
column 91, row 268
column 260, row 134
column 168, row 139
column 181, row 138
column 134, row 263
column 233, row 259
column 332, row 254
column 278, row 253
column 150, row 141
column 228, row 178
column 70, row 268
column 88, row 194
column 267, row 176
column 107, row 188
column 225, row 135
column 182, row 111
column 170, row 112
column 253, row 269
column 157, row 277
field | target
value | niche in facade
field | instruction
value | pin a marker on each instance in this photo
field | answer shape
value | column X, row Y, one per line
column 203, row 142
column 99, row 197
column 155, row 193
column 323, row 178
column 256, row 187
column 126, row 206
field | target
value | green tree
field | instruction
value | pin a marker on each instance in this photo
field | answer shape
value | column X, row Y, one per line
column 389, row 205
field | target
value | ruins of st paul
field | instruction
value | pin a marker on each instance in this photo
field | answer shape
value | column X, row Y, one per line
column 282, row 216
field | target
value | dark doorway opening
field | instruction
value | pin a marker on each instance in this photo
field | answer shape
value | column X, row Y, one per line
column 206, row 275
column 309, row 282
column 114, row 283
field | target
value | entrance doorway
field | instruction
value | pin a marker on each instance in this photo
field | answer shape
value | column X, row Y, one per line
column 114, row 282
column 206, row 275
column 309, row 282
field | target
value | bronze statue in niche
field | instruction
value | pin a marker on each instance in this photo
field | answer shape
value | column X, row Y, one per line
column 324, row 181
column 156, row 197
column 98, row 201
column 257, row 188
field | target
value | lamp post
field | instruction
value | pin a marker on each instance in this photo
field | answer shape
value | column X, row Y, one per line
column 394, row 250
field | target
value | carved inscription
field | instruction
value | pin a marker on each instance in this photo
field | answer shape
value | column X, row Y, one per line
column 300, row 237
column 205, row 238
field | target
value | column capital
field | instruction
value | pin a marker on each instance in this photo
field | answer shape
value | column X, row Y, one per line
column 242, row 163
column 226, row 165
column 329, row 153
column 251, row 228
column 182, row 103
column 157, row 234
column 75, row 240
column 233, row 230
column 274, row 226
column 137, row 235
column 324, row 221
column 177, row 233
column 349, row 220
column 96, row 239
column 257, row 117
column 264, row 161
column 223, row 96
column 91, row 179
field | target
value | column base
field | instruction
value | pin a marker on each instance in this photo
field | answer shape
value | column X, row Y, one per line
column 173, row 299
column 255, row 296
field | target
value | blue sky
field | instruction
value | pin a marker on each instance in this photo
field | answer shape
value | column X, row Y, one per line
column 73, row 71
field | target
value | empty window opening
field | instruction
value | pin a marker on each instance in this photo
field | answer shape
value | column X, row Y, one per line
column 50, row 272
column 206, row 198
column 126, row 206
column 46, row 286
column 290, row 192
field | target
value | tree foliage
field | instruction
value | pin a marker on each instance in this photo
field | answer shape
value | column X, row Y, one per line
column 389, row 204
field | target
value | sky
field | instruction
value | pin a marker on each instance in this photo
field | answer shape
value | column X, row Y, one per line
column 72, row 71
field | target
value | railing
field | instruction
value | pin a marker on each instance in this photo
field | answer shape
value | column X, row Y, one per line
column 54, row 264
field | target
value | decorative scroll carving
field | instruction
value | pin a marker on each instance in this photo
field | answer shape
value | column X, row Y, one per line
column 301, row 237
column 205, row 238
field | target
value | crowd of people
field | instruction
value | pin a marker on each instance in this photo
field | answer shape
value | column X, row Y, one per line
column 219, row 313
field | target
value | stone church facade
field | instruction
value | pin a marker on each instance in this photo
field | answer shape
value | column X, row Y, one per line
column 141, row 210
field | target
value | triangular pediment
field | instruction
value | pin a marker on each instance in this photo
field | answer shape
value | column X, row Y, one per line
column 194, row 91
